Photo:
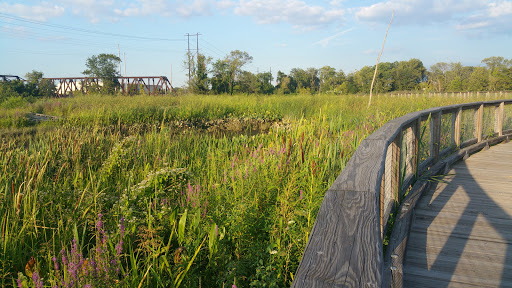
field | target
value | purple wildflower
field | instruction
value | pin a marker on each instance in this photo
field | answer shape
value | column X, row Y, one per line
column 64, row 257
column 55, row 263
column 119, row 248
column 121, row 225
column 300, row 195
column 99, row 224
column 38, row 283
column 74, row 249
column 20, row 284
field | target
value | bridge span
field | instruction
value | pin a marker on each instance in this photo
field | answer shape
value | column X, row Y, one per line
column 150, row 85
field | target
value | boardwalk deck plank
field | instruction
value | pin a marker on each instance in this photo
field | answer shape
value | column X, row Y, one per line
column 461, row 234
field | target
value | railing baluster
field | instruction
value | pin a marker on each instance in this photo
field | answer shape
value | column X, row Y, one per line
column 435, row 135
column 456, row 127
column 391, row 180
column 479, row 115
column 498, row 119
column 416, row 144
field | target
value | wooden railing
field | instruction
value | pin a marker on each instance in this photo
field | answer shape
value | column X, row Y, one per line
column 386, row 176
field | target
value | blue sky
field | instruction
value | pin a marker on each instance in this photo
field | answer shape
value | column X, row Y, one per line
column 57, row 36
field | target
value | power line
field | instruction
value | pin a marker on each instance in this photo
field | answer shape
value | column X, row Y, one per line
column 7, row 16
column 140, row 46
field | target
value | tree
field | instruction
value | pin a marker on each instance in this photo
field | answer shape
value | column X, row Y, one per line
column 307, row 80
column 200, row 83
column 265, row 83
column 437, row 75
column 363, row 78
column 105, row 67
column 479, row 80
column 221, row 77
column 247, row 83
column 235, row 61
column 44, row 87
column 34, row 77
column 457, row 77
column 330, row 80
column 498, row 68
column 408, row 74
column 384, row 81
column 285, row 84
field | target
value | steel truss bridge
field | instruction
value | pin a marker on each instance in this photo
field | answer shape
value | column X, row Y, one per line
column 9, row 78
column 150, row 85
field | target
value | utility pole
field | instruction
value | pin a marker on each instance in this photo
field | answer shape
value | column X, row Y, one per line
column 188, row 54
column 197, row 48
column 119, row 56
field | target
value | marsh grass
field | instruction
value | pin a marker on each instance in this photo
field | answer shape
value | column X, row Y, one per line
column 199, row 207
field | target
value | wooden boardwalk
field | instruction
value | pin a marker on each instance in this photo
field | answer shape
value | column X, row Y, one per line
column 461, row 234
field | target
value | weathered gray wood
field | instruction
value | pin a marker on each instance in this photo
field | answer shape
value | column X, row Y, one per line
column 391, row 180
column 343, row 250
column 345, row 244
column 393, row 269
column 479, row 115
column 462, row 230
column 456, row 127
column 364, row 170
column 435, row 135
column 498, row 119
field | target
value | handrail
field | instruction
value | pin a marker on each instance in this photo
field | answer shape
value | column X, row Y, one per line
column 345, row 247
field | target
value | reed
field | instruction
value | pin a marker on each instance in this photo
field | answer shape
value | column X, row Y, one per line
column 195, row 191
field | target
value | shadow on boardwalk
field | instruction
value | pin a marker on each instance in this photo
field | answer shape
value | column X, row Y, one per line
column 461, row 235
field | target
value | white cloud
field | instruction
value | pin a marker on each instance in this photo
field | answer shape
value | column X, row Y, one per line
column 195, row 8
column 181, row 8
column 463, row 15
column 503, row 8
column 418, row 12
column 41, row 12
column 295, row 12
column 94, row 10
column 224, row 4
column 144, row 8
column 371, row 52
column 470, row 26
column 496, row 18
column 325, row 42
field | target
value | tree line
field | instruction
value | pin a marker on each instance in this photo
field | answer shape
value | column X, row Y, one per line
column 226, row 76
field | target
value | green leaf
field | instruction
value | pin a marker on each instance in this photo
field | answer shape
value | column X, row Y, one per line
column 212, row 239
column 181, row 227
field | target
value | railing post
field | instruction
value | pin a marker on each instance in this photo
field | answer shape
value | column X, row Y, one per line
column 498, row 119
column 435, row 135
column 456, row 127
column 416, row 134
column 391, row 179
column 479, row 115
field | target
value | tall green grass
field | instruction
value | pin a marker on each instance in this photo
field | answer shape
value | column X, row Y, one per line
column 142, row 186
